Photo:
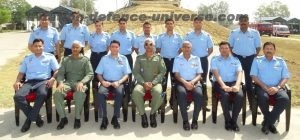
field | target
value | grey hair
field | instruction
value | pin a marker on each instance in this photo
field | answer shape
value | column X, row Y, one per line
column 77, row 43
column 186, row 43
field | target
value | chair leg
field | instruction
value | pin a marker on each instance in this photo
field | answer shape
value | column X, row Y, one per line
column 86, row 108
column 204, row 115
column 244, row 108
column 17, row 115
column 288, row 116
column 254, row 110
column 95, row 105
column 162, row 110
column 125, row 107
column 175, row 106
column 48, row 104
column 214, row 108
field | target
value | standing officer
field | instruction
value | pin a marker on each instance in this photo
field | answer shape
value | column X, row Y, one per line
column 112, row 71
column 246, row 44
column 227, row 71
column 74, row 74
column 270, row 73
column 149, row 70
column 74, row 31
column 188, row 70
column 168, row 45
column 37, row 67
column 140, row 40
column 126, row 39
column 202, row 47
column 99, row 42
column 48, row 34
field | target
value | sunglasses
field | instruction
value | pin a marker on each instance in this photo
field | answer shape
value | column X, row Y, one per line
column 148, row 44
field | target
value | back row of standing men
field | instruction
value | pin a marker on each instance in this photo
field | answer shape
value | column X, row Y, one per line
column 245, row 44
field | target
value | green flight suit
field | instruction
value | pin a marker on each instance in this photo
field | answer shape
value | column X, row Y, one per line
column 70, row 73
column 148, row 70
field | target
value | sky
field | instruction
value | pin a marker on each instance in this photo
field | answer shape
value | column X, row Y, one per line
column 235, row 6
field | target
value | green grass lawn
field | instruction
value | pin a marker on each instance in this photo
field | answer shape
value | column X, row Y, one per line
column 295, row 36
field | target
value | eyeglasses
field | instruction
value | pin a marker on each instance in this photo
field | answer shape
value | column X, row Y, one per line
column 148, row 44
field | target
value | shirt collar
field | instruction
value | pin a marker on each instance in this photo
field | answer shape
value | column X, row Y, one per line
column 265, row 58
column 242, row 31
column 79, row 26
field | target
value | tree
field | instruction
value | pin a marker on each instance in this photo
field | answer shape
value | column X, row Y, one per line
column 274, row 9
column 5, row 15
column 84, row 5
column 18, row 9
column 216, row 9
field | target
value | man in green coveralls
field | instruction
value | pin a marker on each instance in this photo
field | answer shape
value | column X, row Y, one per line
column 149, row 70
column 75, row 72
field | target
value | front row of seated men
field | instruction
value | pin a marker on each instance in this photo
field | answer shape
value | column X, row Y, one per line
column 269, row 72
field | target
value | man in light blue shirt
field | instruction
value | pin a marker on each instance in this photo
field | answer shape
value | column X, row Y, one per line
column 227, row 71
column 74, row 31
column 126, row 39
column 140, row 40
column 48, row 34
column 202, row 47
column 37, row 67
column 246, row 44
column 99, row 42
column 168, row 45
column 188, row 70
column 270, row 74
column 113, row 71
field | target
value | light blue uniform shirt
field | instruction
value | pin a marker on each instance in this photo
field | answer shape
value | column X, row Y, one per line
column 113, row 69
column 169, row 45
column 126, row 41
column 69, row 34
column 99, row 42
column 244, row 44
column 39, row 67
column 50, row 37
column 140, row 42
column 187, row 69
column 200, row 43
column 227, row 68
column 269, row 72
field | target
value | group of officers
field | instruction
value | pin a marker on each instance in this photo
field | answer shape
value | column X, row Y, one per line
column 111, row 65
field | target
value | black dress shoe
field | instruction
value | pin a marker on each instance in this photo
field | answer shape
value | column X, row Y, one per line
column 227, row 126
column 153, row 122
column 265, row 130
column 235, row 127
column 186, row 126
column 77, row 124
column 26, row 126
column 144, row 121
column 104, row 123
column 39, row 122
column 62, row 123
column 194, row 125
column 273, row 129
column 206, row 109
column 115, row 122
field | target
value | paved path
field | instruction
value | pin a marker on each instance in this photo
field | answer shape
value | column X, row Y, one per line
column 133, row 130
column 12, row 44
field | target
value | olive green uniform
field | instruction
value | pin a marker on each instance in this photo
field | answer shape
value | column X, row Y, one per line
column 70, row 73
column 148, row 70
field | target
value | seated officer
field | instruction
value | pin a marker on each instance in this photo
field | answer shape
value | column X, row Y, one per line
column 75, row 72
column 149, row 70
column 112, row 72
column 37, row 67
column 227, row 71
column 187, row 69
column 270, row 73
